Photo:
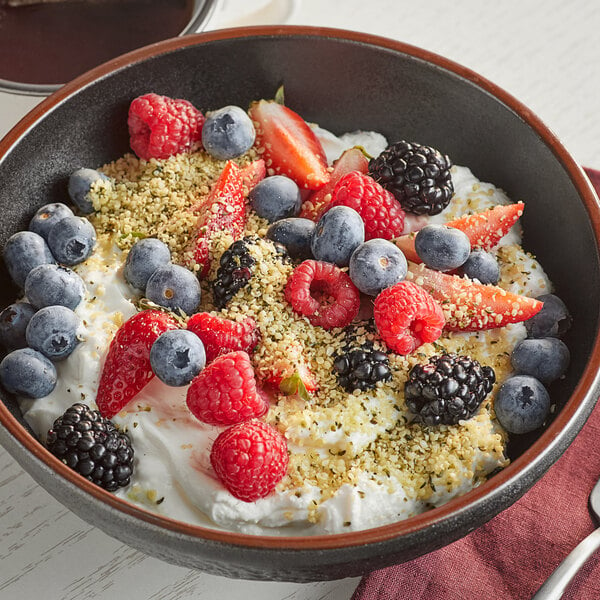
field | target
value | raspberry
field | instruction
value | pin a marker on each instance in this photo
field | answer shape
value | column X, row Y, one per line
column 323, row 293
column 160, row 126
column 220, row 335
column 381, row 212
column 225, row 392
column 250, row 459
column 407, row 316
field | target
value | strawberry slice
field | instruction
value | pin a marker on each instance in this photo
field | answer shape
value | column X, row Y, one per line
column 470, row 306
column 127, row 366
column 484, row 229
column 318, row 202
column 288, row 145
column 252, row 174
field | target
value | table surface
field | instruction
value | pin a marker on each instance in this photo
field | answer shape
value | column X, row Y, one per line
column 544, row 52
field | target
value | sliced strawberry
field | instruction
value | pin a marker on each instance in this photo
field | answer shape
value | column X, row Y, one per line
column 253, row 173
column 127, row 366
column 317, row 203
column 470, row 306
column 288, row 145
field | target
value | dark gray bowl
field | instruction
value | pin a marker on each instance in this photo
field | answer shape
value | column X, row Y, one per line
column 344, row 81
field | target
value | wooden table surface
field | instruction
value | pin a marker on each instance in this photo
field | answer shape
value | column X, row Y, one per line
column 546, row 53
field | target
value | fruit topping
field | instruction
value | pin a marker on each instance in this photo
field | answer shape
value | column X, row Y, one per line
column 80, row 184
column 143, row 259
column 72, row 240
column 481, row 265
column 92, row 446
column 175, row 288
column 295, row 234
column 228, row 133
column 361, row 368
column 23, row 251
column 47, row 216
column 53, row 332
column 13, row 323
column 235, row 270
column 177, row 356
column 48, row 285
column 28, row 373
column 275, row 198
column 418, row 176
column 441, row 247
column 546, row 359
column 250, row 459
column 553, row 320
column 447, row 389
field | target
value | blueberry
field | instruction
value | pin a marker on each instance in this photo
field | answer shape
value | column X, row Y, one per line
column 24, row 251
column 376, row 265
column 27, row 373
column 48, row 216
column 483, row 266
column 295, row 234
column 177, row 356
column 13, row 322
column 49, row 285
column 228, row 132
column 53, row 332
column 553, row 320
column 143, row 259
column 275, row 198
column 174, row 287
column 441, row 247
column 545, row 359
column 80, row 184
column 72, row 240
column 522, row 404
column 337, row 235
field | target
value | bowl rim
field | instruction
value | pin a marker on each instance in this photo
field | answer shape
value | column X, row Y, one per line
column 569, row 421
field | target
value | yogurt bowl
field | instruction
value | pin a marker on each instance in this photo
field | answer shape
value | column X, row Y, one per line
column 360, row 82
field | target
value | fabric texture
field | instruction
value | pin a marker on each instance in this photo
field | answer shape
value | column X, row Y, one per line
column 513, row 554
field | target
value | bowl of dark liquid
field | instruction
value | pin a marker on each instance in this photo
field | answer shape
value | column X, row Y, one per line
column 44, row 44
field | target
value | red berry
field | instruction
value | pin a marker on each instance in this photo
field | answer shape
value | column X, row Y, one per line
column 225, row 391
column 381, row 212
column 323, row 293
column 250, row 459
column 160, row 126
column 220, row 335
column 407, row 316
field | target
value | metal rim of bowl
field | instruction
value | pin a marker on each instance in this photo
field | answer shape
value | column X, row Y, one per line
column 540, row 455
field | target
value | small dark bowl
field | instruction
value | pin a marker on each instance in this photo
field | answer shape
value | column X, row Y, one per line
column 344, row 81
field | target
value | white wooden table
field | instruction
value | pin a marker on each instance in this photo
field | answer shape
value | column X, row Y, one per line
column 545, row 52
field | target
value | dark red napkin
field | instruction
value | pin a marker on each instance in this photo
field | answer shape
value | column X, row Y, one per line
column 512, row 555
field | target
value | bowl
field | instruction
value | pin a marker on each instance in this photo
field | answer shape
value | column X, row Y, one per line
column 343, row 80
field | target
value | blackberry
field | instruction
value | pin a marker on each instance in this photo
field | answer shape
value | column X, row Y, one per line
column 418, row 176
column 448, row 389
column 92, row 446
column 235, row 270
column 360, row 368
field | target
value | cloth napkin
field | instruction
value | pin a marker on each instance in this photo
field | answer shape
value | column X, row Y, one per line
column 514, row 553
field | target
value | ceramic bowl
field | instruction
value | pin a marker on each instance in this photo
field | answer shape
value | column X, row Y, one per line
column 344, row 81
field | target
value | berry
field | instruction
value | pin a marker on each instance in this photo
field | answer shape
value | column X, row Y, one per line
column 160, row 126
column 362, row 368
column 92, row 446
column 553, row 320
column 175, row 288
column 250, row 459
column 47, row 216
column 225, row 392
column 288, row 145
column 448, row 389
column 80, row 185
column 381, row 212
column 407, row 316
column 338, row 233
column 127, row 367
column 276, row 198
column 295, row 234
column 418, row 176
column 53, row 332
column 220, row 335
column 24, row 251
column 375, row 265
column 72, row 240
column 441, row 247
column 28, row 373
column 177, row 356
column 233, row 274
column 522, row 404
column 546, row 359
column 49, row 285
column 483, row 266
column 143, row 259
column 13, row 323
column 228, row 132
column 323, row 293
